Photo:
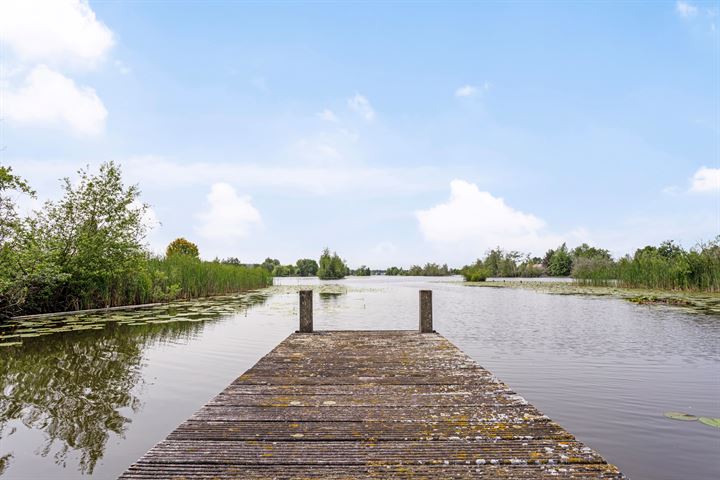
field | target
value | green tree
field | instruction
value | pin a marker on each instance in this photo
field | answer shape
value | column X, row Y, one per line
column 26, row 270
column 9, row 221
column 180, row 246
column 546, row 259
column 586, row 251
column 331, row 266
column 670, row 250
column 363, row 271
column 270, row 263
column 95, row 235
column 307, row 267
column 284, row 271
column 560, row 263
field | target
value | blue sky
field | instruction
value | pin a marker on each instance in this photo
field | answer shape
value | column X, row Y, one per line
column 394, row 134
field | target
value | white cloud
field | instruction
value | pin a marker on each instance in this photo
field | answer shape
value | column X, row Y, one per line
column 54, row 31
column 472, row 90
column 361, row 105
column 466, row 91
column 328, row 115
column 473, row 221
column 706, row 180
column 229, row 217
column 49, row 98
column 685, row 9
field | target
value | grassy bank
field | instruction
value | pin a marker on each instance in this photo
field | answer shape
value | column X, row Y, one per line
column 702, row 302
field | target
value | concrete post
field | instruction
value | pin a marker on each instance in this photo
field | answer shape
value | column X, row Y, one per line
column 306, row 311
column 426, row 323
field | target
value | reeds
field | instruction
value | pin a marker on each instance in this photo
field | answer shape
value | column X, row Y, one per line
column 657, row 268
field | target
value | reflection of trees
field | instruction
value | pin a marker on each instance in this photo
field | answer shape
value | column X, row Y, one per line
column 73, row 386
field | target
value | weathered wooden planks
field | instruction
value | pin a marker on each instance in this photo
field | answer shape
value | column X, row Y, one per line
column 390, row 404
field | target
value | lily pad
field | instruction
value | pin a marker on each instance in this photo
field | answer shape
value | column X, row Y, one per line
column 686, row 417
column 713, row 422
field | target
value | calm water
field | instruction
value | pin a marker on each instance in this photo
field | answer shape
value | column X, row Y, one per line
column 88, row 403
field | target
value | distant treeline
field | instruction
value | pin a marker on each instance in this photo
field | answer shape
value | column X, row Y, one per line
column 667, row 266
column 86, row 250
column 429, row 270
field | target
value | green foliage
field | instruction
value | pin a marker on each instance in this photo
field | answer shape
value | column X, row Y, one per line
column 306, row 267
column 394, row 271
column 667, row 267
column 180, row 246
column 270, row 263
column 363, row 271
column 475, row 274
column 182, row 276
column 586, row 251
column 710, row 421
column 86, row 250
column 331, row 267
column 686, row 417
column 502, row 263
column 428, row 270
column 284, row 271
column 9, row 222
column 560, row 264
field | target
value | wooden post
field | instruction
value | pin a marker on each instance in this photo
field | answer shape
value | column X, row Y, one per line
column 426, row 324
column 306, row 311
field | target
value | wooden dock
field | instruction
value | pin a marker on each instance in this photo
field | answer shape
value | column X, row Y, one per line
column 369, row 404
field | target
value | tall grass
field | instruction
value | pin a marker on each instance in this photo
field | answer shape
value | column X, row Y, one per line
column 658, row 268
column 149, row 280
column 181, row 276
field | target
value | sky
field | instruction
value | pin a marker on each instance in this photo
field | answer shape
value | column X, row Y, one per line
column 392, row 133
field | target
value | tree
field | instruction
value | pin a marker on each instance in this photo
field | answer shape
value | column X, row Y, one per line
column 180, row 246
column 560, row 264
column 26, row 271
column 363, row 271
column 306, row 267
column 331, row 266
column 546, row 259
column 284, row 271
column 586, row 251
column 95, row 235
column 670, row 250
column 9, row 222
column 270, row 263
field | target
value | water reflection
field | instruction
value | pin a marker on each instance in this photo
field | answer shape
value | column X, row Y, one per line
column 94, row 398
column 80, row 388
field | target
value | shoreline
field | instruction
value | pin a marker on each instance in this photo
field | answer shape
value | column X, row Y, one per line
column 697, row 302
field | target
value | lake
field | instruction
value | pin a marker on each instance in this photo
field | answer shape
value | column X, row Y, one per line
column 87, row 395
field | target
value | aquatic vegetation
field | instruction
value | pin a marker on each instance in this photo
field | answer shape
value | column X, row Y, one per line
column 713, row 422
column 681, row 416
column 666, row 267
column 692, row 301
column 15, row 331
column 686, row 417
